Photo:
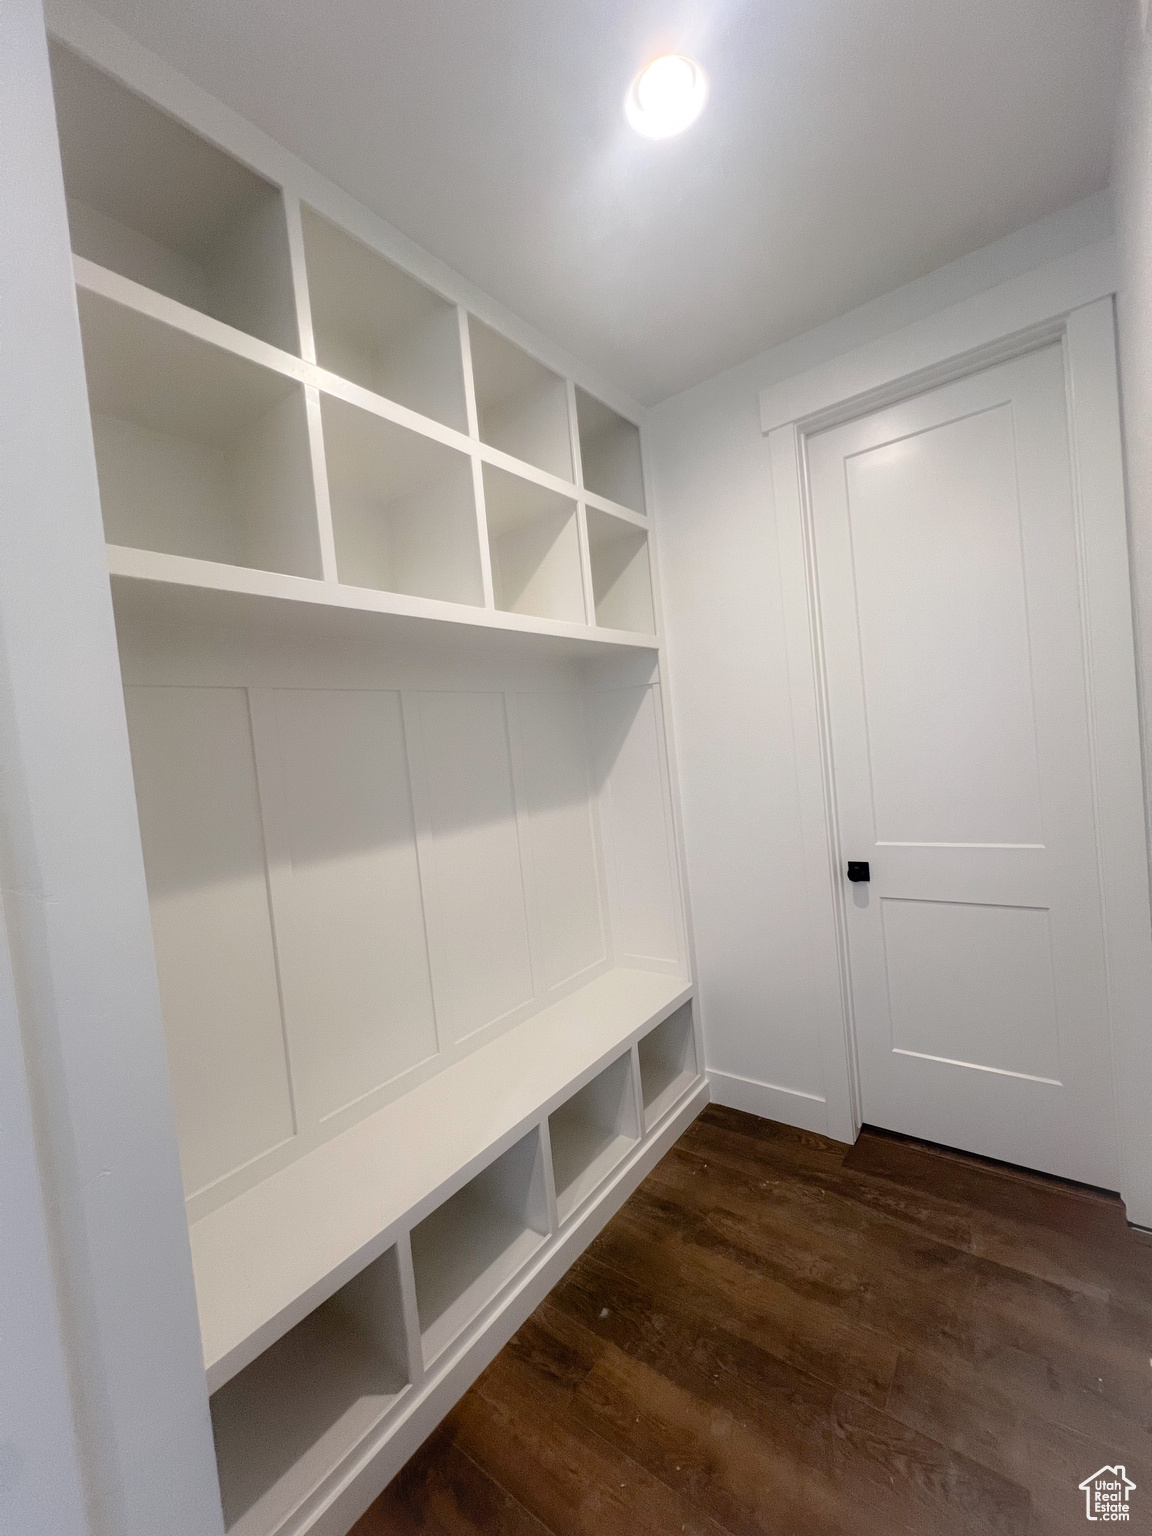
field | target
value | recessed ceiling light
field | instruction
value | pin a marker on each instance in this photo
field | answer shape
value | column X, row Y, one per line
column 666, row 97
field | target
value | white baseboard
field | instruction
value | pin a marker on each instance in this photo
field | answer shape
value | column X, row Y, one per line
column 808, row 1111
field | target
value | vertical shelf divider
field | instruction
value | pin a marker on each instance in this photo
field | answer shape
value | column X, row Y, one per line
column 549, row 1177
column 323, row 497
column 308, row 353
column 581, row 510
column 411, row 1311
column 482, row 530
column 470, row 409
column 299, row 276
column 638, row 1090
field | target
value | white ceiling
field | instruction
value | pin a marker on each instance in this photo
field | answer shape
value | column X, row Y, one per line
column 848, row 146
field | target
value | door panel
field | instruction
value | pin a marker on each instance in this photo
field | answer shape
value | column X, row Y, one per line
column 950, row 607
column 943, row 620
column 971, row 983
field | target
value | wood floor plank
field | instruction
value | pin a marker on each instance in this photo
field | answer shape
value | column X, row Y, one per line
column 802, row 1330
column 830, row 1451
column 952, row 1301
column 442, row 1492
column 780, row 1336
column 517, row 1424
column 984, row 1417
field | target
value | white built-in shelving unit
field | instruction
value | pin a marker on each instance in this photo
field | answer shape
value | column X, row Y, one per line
column 384, row 596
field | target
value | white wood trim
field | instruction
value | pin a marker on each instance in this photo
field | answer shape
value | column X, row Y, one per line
column 102, row 1389
column 299, row 1234
column 616, row 508
column 1094, row 419
column 391, row 410
column 217, row 581
column 94, row 278
column 484, row 544
column 300, row 294
column 671, row 759
column 325, row 528
column 95, row 38
column 1032, row 299
column 619, row 513
column 771, row 1102
column 1002, row 323
column 799, row 601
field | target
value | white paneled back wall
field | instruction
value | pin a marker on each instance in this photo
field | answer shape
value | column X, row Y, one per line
column 352, row 886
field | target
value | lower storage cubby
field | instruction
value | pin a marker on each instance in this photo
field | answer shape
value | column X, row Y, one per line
column 591, row 1133
column 286, row 1422
column 467, row 1250
column 667, row 1064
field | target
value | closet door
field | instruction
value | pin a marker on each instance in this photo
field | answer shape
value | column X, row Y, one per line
column 951, row 610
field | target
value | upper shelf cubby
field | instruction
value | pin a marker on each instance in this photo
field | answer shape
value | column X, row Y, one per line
column 621, row 573
column 403, row 507
column 378, row 327
column 535, row 544
column 609, row 453
column 153, row 201
column 199, row 452
column 521, row 405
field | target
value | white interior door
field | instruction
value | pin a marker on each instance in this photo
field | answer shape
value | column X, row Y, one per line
column 950, row 596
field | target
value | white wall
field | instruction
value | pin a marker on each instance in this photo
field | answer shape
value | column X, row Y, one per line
column 712, row 497
column 104, row 1424
column 1132, row 190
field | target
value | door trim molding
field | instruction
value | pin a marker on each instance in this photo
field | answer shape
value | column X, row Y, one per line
column 1083, row 324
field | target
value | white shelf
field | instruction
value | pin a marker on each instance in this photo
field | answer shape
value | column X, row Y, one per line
column 591, row 1133
column 667, row 1064
column 535, row 545
column 521, row 405
column 466, row 1251
column 155, row 202
column 287, row 1422
column 157, row 585
column 200, row 451
column 403, row 507
column 387, row 809
column 380, row 328
column 621, row 572
column 266, row 1259
column 609, row 453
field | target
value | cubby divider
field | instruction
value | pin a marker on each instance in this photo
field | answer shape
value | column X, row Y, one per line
column 199, row 451
column 609, row 452
column 534, row 539
column 380, row 328
column 288, row 1420
column 621, row 573
column 403, row 507
column 522, row 405
column 591, row 1133
column 471, row 1246
column 152, row 200
column 667, row 1064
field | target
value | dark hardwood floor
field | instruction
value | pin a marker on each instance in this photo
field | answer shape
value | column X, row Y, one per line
column 779, row 1334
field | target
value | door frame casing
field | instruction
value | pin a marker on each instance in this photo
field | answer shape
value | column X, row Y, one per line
column 1070, row 304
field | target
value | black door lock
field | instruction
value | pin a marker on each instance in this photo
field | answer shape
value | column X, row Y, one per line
column 858, row 870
